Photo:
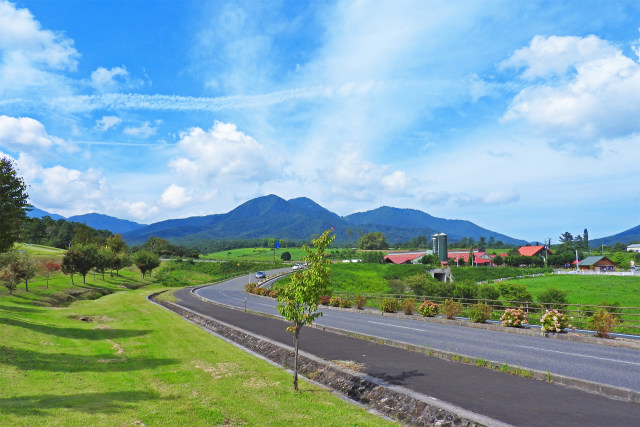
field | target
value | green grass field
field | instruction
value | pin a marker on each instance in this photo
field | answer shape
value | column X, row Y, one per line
column 255, row 254
column 120, row 360
column 588, row 289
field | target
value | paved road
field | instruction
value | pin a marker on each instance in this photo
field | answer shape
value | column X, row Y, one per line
column 601, row 364
column 510, row 399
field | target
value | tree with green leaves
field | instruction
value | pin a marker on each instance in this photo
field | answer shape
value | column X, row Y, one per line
column 299, row 298
column 13, row 204
column 81, row 259
column 373, row 241
column 145, row 261
column 26, row 269
column 286, row 256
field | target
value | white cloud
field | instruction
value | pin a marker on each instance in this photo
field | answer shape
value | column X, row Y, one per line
column 145, row 130
column 139, row 210
column 222, row 152
column 31, row 56
column 175, row 196
column 586, row 91
column 492, row 198
column 25, row 134
column 107, row 122
column 396, row 182
column 110, row 80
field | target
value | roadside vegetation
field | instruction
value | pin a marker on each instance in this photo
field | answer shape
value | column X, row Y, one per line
column 98, row 353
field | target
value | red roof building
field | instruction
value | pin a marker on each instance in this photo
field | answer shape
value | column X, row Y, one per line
column 480, row 258
column 534, row 250
column 404, row 257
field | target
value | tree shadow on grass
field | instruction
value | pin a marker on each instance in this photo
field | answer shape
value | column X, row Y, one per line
column 399, row 379
column 29, row 360
column 20, row 309
column 92, row 403
column 79, row 333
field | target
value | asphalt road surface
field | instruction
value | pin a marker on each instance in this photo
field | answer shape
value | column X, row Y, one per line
column 510, row 399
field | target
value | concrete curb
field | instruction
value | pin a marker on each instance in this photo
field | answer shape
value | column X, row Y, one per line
column 607, row 390
column 403, row 405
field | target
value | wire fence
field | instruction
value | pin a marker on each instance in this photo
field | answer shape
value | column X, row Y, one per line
column 628, row 317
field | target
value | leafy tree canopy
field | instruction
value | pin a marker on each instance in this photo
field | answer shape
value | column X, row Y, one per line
column 373, row 241
column 13, row 204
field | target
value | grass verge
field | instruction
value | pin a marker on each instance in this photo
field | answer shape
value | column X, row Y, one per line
column 120, row 360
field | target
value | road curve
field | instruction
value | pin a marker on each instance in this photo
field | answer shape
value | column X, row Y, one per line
column 618, row 367
column 510, row 399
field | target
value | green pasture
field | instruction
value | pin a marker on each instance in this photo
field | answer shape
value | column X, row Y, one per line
column 588, row 289
column 255, row 254
column 39, row 251
column 120, row 360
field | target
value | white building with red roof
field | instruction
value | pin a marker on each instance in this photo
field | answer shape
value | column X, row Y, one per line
column 406, row 257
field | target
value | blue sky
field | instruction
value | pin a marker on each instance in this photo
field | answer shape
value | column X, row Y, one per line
column 523, row 117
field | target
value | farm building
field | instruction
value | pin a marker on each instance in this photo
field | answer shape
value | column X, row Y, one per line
column 540, row 250
column 597, row 263
column 634, row 248
column 480, row 258
column 406, row 257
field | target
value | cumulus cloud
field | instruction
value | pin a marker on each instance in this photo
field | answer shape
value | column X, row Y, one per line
column 396, row 182
column 578, row 91
column 107, row 122
column 31, row 56
column 111, row 80
column 25, row 134
column 145, row 130
column 174, row 196
column 139, row 210
column 224, row 151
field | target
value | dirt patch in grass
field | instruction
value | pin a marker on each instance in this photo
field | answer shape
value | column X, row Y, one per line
column 219, row 370
column 91, row 319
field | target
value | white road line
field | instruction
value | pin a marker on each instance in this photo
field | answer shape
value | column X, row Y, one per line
column 395, row 326
column 579, row 355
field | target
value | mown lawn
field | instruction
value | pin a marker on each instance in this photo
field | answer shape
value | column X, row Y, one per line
column 588, row 289
column 120, row 360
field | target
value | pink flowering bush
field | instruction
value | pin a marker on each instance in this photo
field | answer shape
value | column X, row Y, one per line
column 428, row 308
column 514, row 317
column 554, row 321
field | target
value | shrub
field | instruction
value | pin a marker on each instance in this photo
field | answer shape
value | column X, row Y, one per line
column 428, row 308
column 515, row 292
column 273, row 293
column 397, row 286
column 388, row 305
column 345, row 303
column 480, row 312
column 554, row 321
column 488, row 293
column 514, row 317
column 250, row 287
column 360, row 301
column 325, row 299
column 553, row 298
column 465, row 291
column 451, row 308
column 335, row 301
column 602, row 323
column 408, row 305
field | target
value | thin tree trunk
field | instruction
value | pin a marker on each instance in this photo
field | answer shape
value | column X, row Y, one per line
column 26, row 285
column 295, row 360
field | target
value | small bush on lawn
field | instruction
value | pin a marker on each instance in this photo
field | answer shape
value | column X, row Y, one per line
column 553, row 298
column 345, row 303
column 388, row 305
column 428, row 308
column 334, row 302
column 480, row 313
column 325, row 299
column 514, row 317
column 602, row 323
column 408, row 305
column 451, row 308
column 554, row 321
column 360, row 301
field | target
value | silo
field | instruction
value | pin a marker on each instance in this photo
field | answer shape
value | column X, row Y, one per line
column 440, row 246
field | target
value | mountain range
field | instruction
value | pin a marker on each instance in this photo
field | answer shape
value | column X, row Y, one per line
column 299, row 219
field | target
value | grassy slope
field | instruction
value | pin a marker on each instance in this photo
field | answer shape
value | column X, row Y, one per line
column 137, row 363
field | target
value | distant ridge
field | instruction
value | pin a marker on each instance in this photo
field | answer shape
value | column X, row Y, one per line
column 300, row 218
column 106, row 222
column 39, row 213
column 626, row 237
